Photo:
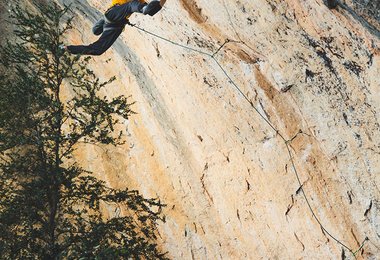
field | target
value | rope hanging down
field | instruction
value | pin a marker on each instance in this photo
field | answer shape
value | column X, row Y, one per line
column 212, row 56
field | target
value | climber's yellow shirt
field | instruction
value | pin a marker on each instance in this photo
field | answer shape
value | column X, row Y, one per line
column 120, row 2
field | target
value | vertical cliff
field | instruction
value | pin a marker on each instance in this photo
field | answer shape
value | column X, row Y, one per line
column 202, row 143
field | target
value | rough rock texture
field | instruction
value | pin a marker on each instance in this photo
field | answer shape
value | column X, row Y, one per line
column 224, row 173
column 369, row 9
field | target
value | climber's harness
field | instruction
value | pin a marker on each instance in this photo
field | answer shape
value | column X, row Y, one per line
column 111, row 25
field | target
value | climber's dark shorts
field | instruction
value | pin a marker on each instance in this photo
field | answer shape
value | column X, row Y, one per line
column 111, row 31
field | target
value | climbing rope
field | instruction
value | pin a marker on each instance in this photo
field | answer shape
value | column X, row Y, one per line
column 232, row 82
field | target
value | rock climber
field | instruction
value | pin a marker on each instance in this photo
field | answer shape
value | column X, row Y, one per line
column 112, row 24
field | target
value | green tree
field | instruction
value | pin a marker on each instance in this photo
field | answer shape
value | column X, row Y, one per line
column 50, row 207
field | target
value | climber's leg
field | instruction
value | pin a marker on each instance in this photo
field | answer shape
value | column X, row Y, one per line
column 105, row 41
column 98, row 27
column 118, row 13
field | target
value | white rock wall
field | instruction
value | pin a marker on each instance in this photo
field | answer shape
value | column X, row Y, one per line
column 224, row 174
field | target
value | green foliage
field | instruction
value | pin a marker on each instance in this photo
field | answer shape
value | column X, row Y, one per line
column 50, row 207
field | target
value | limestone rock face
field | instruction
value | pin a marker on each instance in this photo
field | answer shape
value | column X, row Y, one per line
column 198, row 144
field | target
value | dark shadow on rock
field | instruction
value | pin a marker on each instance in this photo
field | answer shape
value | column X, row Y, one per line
column 371, row 28
column 333, row 4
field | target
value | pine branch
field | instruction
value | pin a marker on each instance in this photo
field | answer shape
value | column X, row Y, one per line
column 50, row 207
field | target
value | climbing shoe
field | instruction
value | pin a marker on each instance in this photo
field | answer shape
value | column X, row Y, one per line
column 98, row 27
column 152, row 8
column 62, row 49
